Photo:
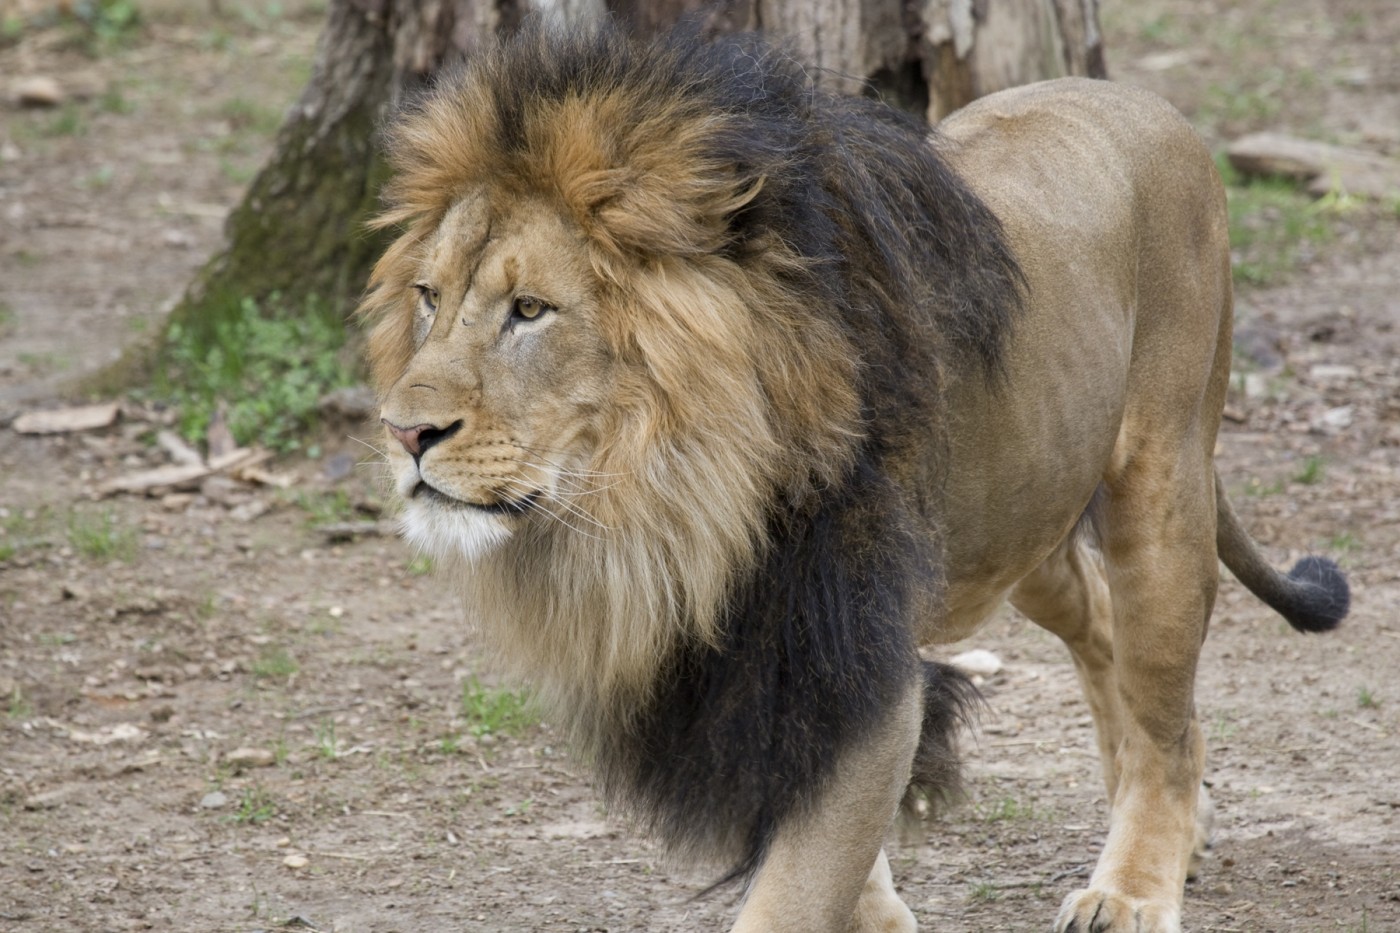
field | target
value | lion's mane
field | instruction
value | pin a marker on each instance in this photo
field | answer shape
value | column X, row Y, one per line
column 781, row 272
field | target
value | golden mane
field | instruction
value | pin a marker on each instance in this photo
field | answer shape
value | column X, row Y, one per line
column 776, row 276
column 733, row 390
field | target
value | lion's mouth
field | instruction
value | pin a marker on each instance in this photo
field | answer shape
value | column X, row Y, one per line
column 504, row 507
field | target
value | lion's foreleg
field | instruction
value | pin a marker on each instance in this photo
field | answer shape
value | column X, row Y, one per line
column 825, row 870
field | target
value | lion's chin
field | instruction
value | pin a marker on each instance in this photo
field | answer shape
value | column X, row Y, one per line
column 452, row 533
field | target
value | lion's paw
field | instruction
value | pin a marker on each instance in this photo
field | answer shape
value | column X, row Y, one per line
column 1092, row 911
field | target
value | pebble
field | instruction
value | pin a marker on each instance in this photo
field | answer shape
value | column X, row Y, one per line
column 242, row 758
column 213, row 800
column 1328, row 371
column 38, row 91
column 296, row 860
column 978, row 662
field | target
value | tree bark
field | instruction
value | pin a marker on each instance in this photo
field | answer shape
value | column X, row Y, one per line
column 300, row 232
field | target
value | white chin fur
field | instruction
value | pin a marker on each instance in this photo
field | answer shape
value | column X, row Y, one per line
column 451, row 533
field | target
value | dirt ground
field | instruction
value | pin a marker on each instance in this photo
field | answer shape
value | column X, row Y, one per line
column 215, row 716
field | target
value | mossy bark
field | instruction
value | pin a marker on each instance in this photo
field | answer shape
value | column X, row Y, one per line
column 300, row 233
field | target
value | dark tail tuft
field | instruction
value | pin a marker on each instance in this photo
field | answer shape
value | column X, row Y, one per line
column 1320, row 597
column 950, row 701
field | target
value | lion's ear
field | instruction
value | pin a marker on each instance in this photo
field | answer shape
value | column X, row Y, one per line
column 645, row 189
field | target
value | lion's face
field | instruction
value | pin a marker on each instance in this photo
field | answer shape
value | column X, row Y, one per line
column 496, row 414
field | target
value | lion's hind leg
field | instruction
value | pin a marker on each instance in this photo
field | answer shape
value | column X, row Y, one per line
column 1158, row 557
column 1068, row 595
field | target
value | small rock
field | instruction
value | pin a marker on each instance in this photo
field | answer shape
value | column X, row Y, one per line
column 1334, row 420
column 223, row 490
column 1324, row 372
column 242, row 758
column 38, row 91
column 75, row 591
column 338, row 467
column 213, row 800
column 253, row 508
column 284, row 842
column 47, row 800
column 1256, row 385
column 9, row 152
column 978, row 661
column 296, row 860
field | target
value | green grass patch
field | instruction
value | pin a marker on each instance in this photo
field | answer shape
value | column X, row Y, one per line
column 100, row 536
column 23, row 530
column 985, row 892
column 17, row 705
column 274, row 663
column 1007, row 810
column 1312, row 471
column 255, row 805
column 1272, row 224
column 495, row 711
column 268, row 365
column 1365, row 699
column 326, row 507
column 1344, row 542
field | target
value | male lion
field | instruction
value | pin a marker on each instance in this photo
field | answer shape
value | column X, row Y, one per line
column 723, row 395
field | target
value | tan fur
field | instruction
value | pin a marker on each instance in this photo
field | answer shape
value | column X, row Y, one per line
column 1113, row 382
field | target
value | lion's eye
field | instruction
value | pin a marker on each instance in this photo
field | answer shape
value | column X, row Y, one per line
column 428, row 296
column 528, row 308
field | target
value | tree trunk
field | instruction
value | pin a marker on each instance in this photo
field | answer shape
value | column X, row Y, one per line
column 300, row 234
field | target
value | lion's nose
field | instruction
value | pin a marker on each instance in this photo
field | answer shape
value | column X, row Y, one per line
column 417, row 439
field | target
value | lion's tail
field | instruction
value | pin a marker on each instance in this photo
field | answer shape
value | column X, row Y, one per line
column 950, row 702
column 1313, row 596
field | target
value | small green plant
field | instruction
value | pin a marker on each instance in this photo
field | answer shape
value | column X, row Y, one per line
column 274, row 663
column 101, row 537
column 984, row 891
column 518, row 809
column 108, row 21
column 68, row 121
column 495, row 711
column 1007, row 810
column 270, row 366
column 21, row 530
column 1311, row 473
column 327, row 746
column 325, row 507
column 1271, row 222
column 7, row 317
column 114, row 101
column 242, row 114
column 1365, row 699
column 255, row 805
column 1255, row 486
column 1344, row 542
column 17, row 705
column 420, row 565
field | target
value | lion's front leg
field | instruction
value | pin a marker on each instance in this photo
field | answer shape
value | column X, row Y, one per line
column 826, row 870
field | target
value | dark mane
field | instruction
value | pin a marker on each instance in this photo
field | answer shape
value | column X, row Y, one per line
column 873, row 238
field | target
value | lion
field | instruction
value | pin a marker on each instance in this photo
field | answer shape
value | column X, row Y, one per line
column 719, row 397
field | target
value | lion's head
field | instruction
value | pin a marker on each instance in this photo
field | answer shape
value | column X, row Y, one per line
column 598, row 371
column 617, row 339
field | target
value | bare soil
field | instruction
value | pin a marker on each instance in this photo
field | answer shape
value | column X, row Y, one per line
column 129, row 679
